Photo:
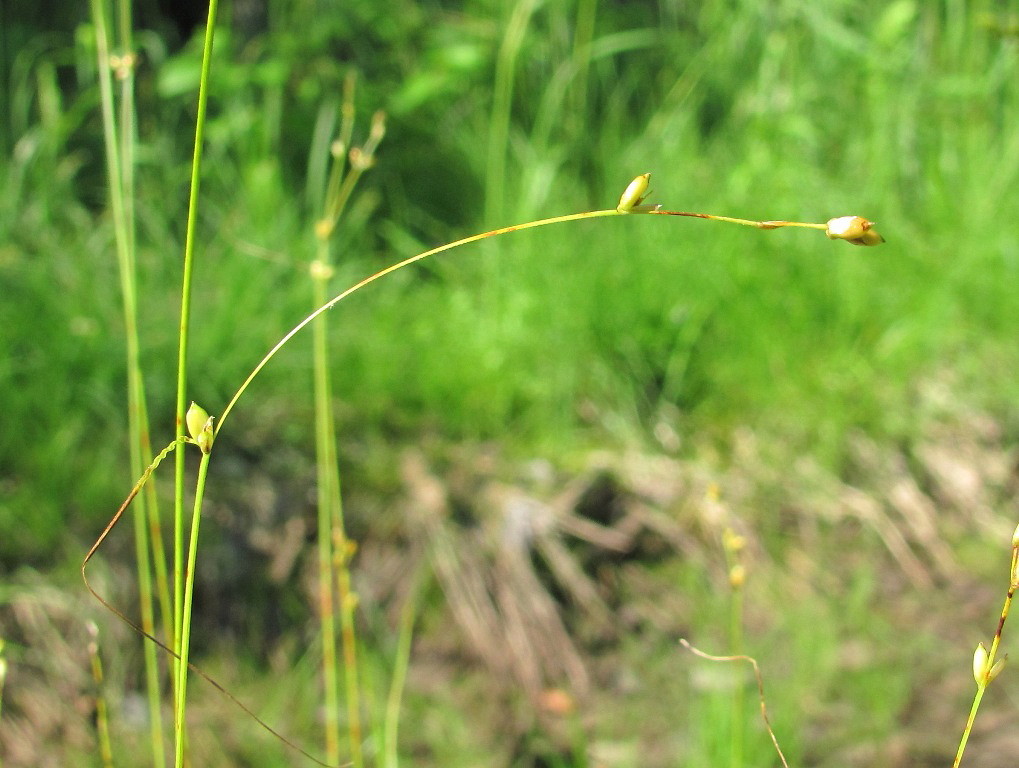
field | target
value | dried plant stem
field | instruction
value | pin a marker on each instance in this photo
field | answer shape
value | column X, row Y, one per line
column 760, row 688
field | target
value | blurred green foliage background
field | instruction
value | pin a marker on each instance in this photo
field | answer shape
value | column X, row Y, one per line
column 896, row 111
column 673, row 335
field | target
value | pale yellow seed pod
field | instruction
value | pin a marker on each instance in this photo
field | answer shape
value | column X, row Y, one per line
column 634, row 194
column 853, row 229
column 195, row 420
column 199, row 424
column 980, row 664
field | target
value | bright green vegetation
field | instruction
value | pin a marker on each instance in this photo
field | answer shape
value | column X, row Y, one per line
column 606, row 333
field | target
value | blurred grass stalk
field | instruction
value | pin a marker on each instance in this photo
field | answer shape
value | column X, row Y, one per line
column 334, row 549
column 119, row 138
column 102, row 708
column 733, row 545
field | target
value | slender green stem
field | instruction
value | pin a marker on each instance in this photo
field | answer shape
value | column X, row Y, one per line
column 189, row 590
column 498, row 132
column 985, row 680
column 327, row 600
column 400, row 666
column 182, row 620
column 102, row 710
column 581, row 58
column 331, row 527
column 344, row 550
column 738, row 697
column 119, row 146
column 744, row 222
column 473, row 239
column 382, row 273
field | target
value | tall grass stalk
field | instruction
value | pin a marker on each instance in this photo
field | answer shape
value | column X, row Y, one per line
column 502, row 102
column 581, row 57
column 400, row 665
column 102, row 708
column 334, row 549
column 185, row 629
column 119, row 150
column 181, row 593
column 733, row 544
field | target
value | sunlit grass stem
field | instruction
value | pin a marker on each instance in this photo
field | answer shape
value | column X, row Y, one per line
column 182, row 619
column 466, row 241
column 185, row 630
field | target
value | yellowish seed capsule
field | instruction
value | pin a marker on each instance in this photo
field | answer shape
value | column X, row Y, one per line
column 199, row 424
column 980, row 664
column 854, row 229
column 634, row 194
column 195, row 419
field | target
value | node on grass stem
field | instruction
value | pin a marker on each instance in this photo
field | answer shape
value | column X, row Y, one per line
column 319, row 270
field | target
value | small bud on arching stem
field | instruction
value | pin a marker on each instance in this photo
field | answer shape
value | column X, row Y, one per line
column 853, row 229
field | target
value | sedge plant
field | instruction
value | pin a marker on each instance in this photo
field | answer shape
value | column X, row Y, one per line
column 335, row 550
column 204, row 430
